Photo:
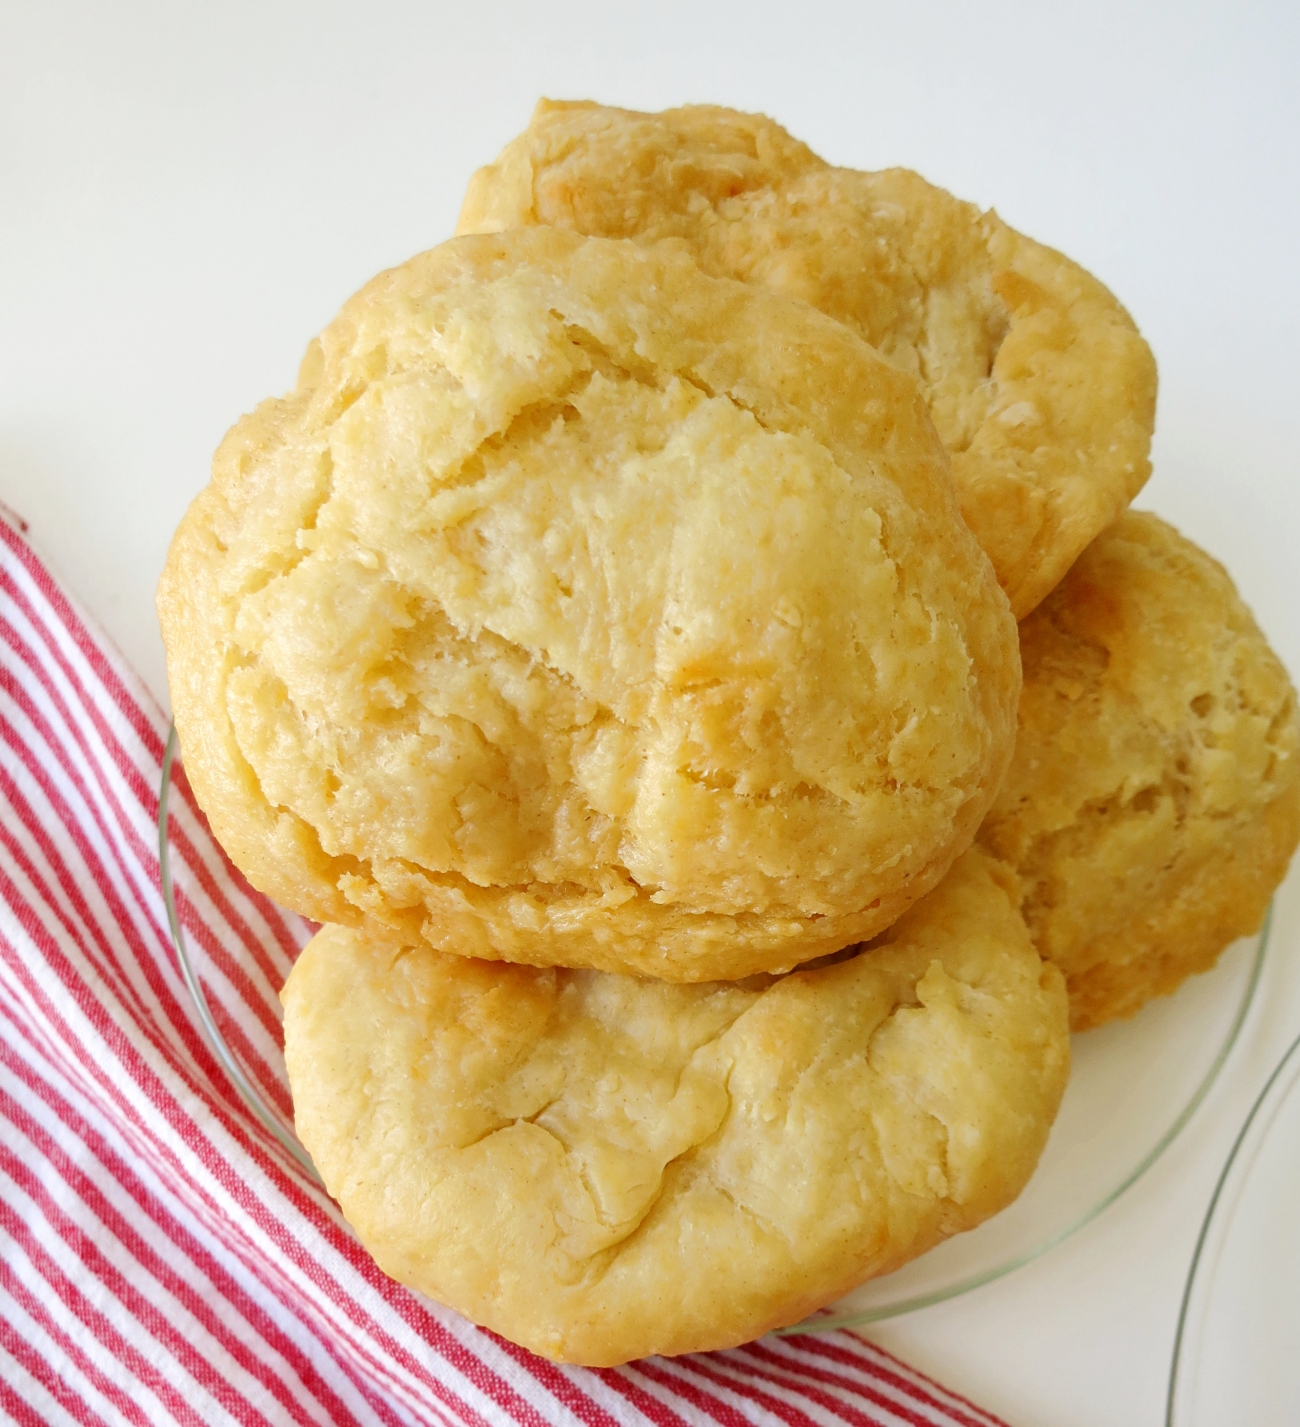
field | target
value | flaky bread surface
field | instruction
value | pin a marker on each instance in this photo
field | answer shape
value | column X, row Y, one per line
column 579, row 608
column 1039, row 383
column 1153, row 803
column 602, row 1167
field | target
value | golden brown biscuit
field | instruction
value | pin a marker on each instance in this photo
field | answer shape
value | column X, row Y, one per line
column 1036, row 378
column 1154, row 800
column 602, row 1167
column 581, row 609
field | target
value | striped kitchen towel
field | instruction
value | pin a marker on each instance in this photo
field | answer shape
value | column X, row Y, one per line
column 162, row 1259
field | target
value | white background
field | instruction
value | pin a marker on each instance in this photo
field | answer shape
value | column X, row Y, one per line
column 187, row 194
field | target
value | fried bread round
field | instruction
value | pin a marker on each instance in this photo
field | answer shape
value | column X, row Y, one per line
column 582, row 609
column 1037, row 379
column 1154, row 799
column 602, row 1167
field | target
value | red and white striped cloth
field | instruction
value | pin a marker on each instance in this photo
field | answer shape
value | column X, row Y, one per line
column 163, row 1260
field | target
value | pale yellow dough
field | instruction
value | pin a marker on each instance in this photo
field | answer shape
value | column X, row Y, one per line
column 601, row 1167
column 1035, row 376
column 581, row 609
column 1154, row 800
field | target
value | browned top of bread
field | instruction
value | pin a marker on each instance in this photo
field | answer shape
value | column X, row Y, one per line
column 579, row 608
column 1154, row 799
column 1039, row 384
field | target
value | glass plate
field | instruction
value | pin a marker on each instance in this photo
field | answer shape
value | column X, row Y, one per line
column 1237, row 1351
column 1133, row 1086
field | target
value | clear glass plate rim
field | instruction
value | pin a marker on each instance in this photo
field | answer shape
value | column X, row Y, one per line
column 1208, row 1222
column 289, row 1142
column 216, row 1041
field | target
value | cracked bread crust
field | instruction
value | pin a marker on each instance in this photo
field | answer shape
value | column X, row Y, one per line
column 1039, row 383
column 580, row 609
column 1153, row 803
column 602, row 1167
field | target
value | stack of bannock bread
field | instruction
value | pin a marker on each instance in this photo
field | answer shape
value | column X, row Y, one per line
column 616, row 640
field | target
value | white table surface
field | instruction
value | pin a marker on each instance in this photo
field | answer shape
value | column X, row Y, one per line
column 187, row 193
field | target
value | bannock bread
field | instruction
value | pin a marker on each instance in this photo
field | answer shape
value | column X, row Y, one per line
column 602, row 1167
column 1039, row 383
column 1153, row 803
column 579, row 608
